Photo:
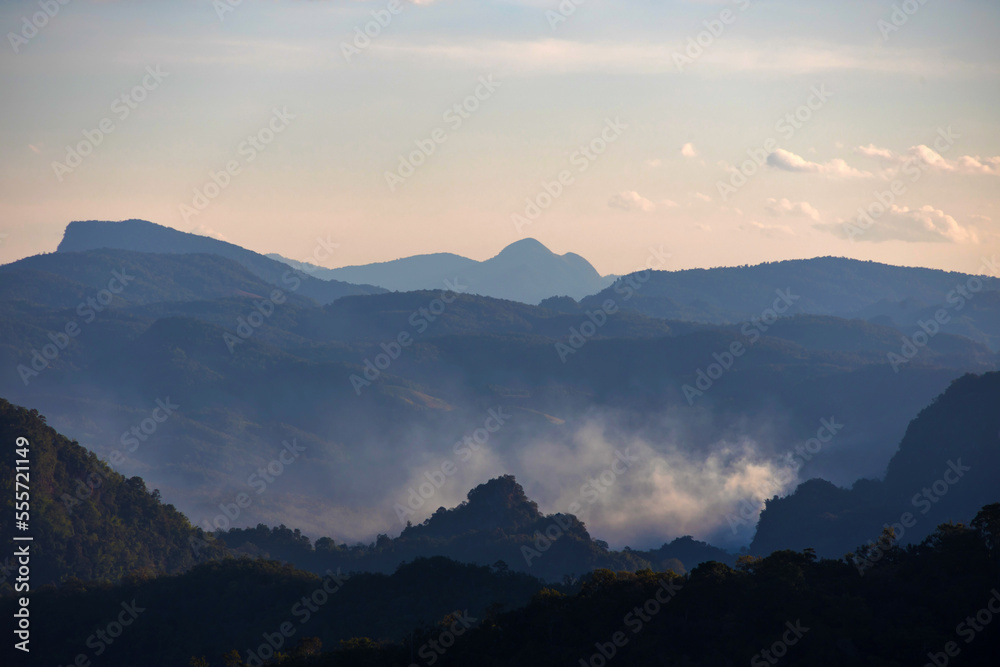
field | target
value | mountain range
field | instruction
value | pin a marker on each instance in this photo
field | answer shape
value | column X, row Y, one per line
column 524, row 271
column 375, row 415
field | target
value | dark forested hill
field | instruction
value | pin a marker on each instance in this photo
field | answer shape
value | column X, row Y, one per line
column 87, row 521
column 945, row 469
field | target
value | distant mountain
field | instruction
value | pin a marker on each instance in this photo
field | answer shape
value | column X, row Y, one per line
column 295, row 375
column 65, row 279
column 497, row 522
column 88, row 521
column 978, row 318
column 400, row 275
column 821, row 286
column 945, row 470
column 143, row 236
column 524, row 271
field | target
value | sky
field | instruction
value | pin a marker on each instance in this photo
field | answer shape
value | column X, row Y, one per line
column 725, row 133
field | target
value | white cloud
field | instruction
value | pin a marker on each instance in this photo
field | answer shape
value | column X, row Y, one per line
column 202, row 230
column 688, row 150
column 770, row 231
column 930, row 158
column 784, row 207
column 871, row 150
column 631, row 201
column 653, row 163
column 836, row 168
column 902, row 223
column 977, row 165
column 702, row 197
column 549, row 55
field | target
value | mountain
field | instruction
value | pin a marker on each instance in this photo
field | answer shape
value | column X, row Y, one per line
column 399, row 275
column 944, row 470
column 442, row 613
column 820, row 286
column 66, row 279
column 496, row 522
column 524, row 271
column 143, row 236
column 307, row 374
column 86, row 520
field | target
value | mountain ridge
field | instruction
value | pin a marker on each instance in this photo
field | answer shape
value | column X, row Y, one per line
column 525, row 271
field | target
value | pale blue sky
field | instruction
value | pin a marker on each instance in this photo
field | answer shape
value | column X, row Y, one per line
column 657, row 184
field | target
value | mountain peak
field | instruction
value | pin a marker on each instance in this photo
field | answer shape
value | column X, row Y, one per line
column 529, row 246
column 499, row 503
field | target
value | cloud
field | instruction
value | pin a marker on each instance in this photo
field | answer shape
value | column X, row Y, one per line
column 837, row 168
column 631, row 201
column 550, row 55
column 902, row 223
column 871, row 150
column 770, row 231
column 688, row 150
column 702, row 197
column 784, row 207
column 977, row 165
column 202, row 230
column 653, row 163
column 931, row 159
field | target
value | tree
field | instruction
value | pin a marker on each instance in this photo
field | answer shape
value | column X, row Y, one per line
column 987, row 524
